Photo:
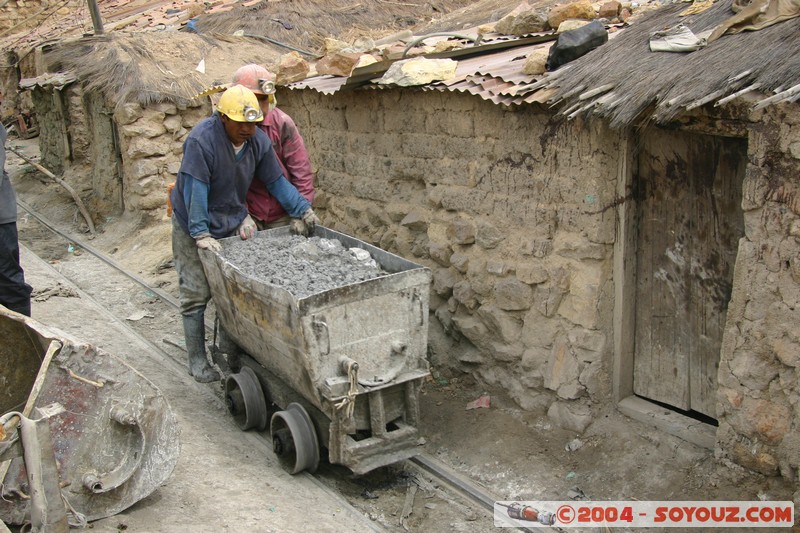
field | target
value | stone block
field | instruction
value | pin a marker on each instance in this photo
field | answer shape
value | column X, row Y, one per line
column 487, row 236
column 337, row 64
column 461, row 231
column 563, row 371
column 590, row 340
column 463, row 293
column 145, row 128
column 397, row 211
column 416, row 220
column 441, row 254
column 539, row 331
column 574, row 10
column 787, row 352
column 595, row 381
column 512, row 294
column 165, row 108
column 765, row 420
column 752, row 370
column 473, row 329
column 498, row 268
column 539, row 248
column 444, row 279
column 536, row 358
column 536, row 62
column 291, row 68
column 532, row 272
column 460, row 262
column 571, row 24
column 128, row 113
column 140, row 146
column 523, row 23
column 143, row 167
column 572, row 416
column 507, row 353
column 547, row 299
column 173, row 123
column 609, row 9
column 505, row 325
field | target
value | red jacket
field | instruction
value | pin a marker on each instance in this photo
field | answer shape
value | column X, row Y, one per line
column 293, row 157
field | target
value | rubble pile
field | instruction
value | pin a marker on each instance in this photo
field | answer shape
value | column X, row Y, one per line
column 299, row 265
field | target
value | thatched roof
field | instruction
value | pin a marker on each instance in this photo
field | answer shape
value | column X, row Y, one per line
column 623, row 81
column 304, row 24
column 157, row 66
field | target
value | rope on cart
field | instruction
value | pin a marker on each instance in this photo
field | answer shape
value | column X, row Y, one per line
column 349, row 402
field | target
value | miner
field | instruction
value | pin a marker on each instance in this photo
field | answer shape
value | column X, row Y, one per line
column 288, row 145
column 222, row 155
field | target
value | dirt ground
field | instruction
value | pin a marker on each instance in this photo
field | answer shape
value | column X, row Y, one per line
column 516, row 455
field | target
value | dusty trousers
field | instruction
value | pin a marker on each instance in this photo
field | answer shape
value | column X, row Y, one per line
column 15, row 294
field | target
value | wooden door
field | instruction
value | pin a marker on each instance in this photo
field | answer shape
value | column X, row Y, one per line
column 689, row 223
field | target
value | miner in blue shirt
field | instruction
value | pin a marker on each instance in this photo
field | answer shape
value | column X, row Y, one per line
column 221, row 156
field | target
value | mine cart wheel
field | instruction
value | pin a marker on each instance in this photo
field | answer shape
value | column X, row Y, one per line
column 294, row 439
column 245, row 400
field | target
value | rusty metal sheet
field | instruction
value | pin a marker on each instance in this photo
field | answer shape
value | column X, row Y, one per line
column 115, row 443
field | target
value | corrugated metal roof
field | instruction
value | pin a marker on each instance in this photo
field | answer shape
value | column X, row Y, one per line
column 494, row 75
column 492, row 71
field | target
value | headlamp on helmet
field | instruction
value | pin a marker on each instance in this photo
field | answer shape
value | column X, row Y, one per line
column 240, row 104
column 267, row 86
column 251, row 115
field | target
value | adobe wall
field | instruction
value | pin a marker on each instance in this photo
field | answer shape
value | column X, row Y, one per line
column 759, row 377
column 513, row 213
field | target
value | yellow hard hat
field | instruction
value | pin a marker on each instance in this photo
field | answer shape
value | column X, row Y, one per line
column 240, row 104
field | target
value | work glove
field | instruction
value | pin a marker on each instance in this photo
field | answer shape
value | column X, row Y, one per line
column 208, row 243
column 299, row 227
column 247, row 229
column 305, row 224
column 311, row 219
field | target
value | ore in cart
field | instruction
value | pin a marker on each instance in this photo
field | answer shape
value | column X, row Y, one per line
column 343, row 365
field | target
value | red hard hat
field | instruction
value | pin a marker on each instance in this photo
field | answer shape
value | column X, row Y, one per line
column 256, row 78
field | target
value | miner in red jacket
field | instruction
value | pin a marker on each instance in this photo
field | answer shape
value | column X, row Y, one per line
column 288, row 145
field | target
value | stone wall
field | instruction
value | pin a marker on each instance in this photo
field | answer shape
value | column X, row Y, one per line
column 759, row 377
column 129, row 154
column 513, row 213
column 151, row 141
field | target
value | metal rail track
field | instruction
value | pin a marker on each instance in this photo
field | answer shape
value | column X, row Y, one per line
column 424, row 464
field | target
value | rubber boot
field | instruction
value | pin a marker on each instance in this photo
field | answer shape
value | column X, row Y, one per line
column 194, row 330
column 229, row 347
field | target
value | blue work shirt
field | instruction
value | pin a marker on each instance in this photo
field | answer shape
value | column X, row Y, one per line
column 209, row 158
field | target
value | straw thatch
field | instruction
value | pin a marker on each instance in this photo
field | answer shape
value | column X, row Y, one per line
column 304, row 24
column 156, row 67
column 623, row 81
column 480, row 13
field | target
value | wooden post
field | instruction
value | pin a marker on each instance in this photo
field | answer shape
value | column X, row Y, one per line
column 97, row 22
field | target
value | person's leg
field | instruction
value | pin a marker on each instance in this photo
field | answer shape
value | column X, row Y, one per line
column 194, row 296
column 15, row 294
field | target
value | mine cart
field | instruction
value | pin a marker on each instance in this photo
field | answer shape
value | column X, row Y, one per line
column 79, row 428
column 339, row 370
